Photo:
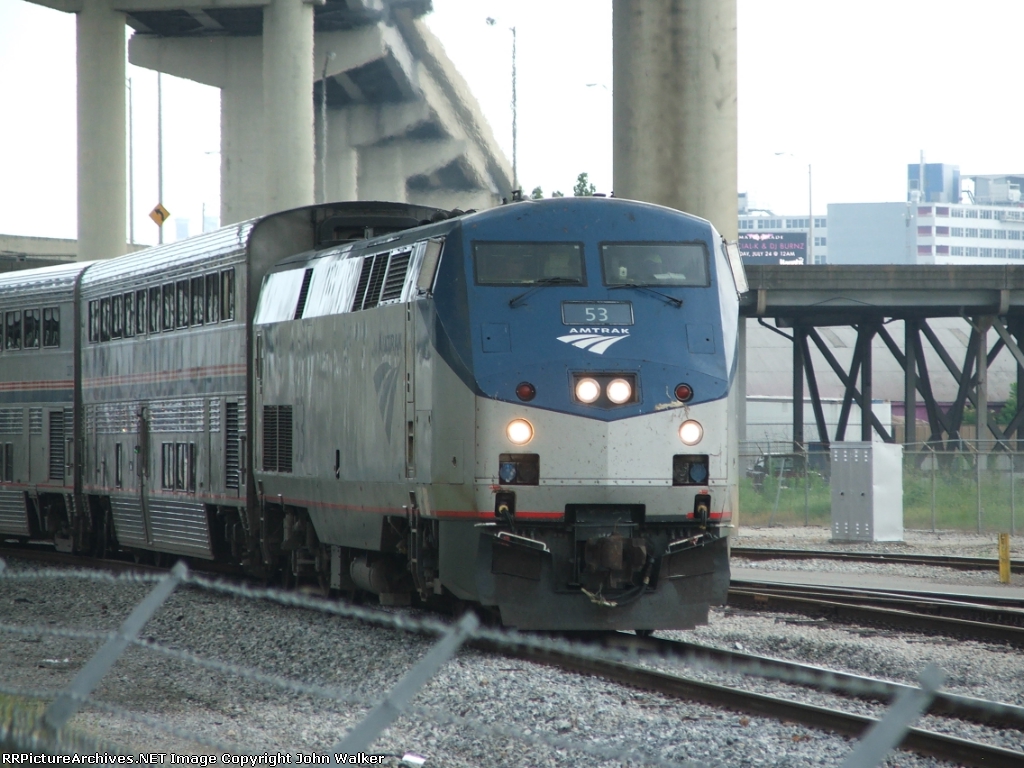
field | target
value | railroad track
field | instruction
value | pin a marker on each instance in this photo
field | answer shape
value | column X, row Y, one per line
column 887, row 558
column 978, row 618
column 634, row 675
column 918, row 740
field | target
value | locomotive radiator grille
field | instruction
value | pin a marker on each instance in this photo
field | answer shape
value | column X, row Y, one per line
column 277, row 438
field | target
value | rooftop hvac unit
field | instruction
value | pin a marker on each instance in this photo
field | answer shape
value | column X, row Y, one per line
column 867, row 492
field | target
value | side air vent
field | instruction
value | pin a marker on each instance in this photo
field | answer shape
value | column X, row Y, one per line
column 277, row 438
column 232, row 465
column 57, row 446
column 380, row 264
column 364, row 280
column 398, row 267
column 303, row 293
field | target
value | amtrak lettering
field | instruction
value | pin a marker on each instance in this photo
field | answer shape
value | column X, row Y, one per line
column 596, row 340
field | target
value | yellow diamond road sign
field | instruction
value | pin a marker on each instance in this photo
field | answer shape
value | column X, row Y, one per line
column 159, row 214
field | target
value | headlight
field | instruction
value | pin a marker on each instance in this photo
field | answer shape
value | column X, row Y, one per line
column 587, row 391
column 619, row 391
column 691, row 432
column 519, row 431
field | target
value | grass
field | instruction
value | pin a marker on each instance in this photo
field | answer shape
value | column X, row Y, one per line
column 955, row 494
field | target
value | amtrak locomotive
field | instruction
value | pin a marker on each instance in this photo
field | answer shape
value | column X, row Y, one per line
column 525, row 408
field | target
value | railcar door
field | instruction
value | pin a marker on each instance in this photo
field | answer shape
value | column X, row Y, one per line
column 144, row 469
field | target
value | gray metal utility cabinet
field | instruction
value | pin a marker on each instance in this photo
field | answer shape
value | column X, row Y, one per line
column 867, row 492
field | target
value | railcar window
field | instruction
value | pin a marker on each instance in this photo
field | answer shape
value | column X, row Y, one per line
column 168, row 324
column 51, row 327
column 154, row 309
column 654, row 264
column 526, row 263
column 198, row 300
column 213, row 298
column 117, row 317
column 129, row 315
column 13, row 332
column 105, row 319
column 227, row 294
column 167, row 465
column 94, row 321
column 184, row 308
column 32, row 329
column 141, row 314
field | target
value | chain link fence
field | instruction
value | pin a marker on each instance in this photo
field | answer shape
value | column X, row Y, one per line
column 968, row 485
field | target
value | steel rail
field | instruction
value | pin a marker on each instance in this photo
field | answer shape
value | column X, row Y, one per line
column 917, row 740
column 947, row 561
column 943, row 704
column 766, row 598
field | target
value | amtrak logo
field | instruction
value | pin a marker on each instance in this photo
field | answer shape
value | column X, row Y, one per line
column 385, row 380
column 596, row 340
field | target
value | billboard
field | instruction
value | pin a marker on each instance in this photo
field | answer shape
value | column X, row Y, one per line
column 773, row 248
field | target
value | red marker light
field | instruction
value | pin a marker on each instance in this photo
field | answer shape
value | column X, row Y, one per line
column 683, row 392
column 526, row 391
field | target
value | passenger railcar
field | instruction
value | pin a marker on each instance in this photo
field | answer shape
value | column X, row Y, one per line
column 526, row 408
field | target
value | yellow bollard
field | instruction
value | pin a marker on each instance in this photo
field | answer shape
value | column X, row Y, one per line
column 1004, row 558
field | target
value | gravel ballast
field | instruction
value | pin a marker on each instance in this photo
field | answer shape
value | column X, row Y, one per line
column 496, row 697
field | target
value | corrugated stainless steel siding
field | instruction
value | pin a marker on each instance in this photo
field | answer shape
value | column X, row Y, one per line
column 171, row 259
column 128, row 523
column 56, row 282
column 179, row 526
column 13, row 519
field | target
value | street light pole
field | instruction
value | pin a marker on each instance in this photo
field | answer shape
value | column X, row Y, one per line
column 810, row 214
column 515, row 137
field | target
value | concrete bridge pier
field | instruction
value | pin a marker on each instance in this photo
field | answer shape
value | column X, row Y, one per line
column 674, row 113
column 102, row 174
column 287, row 106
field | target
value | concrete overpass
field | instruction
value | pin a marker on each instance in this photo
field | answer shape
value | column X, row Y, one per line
column 401, row 124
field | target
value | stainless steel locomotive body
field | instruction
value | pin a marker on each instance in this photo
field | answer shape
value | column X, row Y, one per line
column 388, row 375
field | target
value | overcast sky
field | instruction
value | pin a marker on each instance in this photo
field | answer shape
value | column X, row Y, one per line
column 855, row 89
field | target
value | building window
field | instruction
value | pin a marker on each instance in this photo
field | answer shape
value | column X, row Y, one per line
column 986, row 214
column 1013, row 234
column 957, row 213
column 941, row 250
column 924, row 210
column 986, row 233
column 821, row 223
column 819, row 258
column 1000, row 253
column 819, row 241
column 1000, row 234
column 941, row 211
column 956, row 231
column 924, row 249
column 1015, row 253
column 924, row 231
column 957, row 250
column 970, row 232
column 942, row 231
column 987, row 252
column 970, row 213
column 970, row 251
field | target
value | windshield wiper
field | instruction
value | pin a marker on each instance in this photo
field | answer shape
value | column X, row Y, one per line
column 664, row 296
column 541, row 283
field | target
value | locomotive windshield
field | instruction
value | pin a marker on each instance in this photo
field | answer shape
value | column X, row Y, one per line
column 526, row 263
column 654, row 264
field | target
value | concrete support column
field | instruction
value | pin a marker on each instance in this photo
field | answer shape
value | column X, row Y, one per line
column 342, row 166
column 381, row 174
column 243, row 158
column 288, row 103
column 674, row 133
column 102, row 175
column 798, row 390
